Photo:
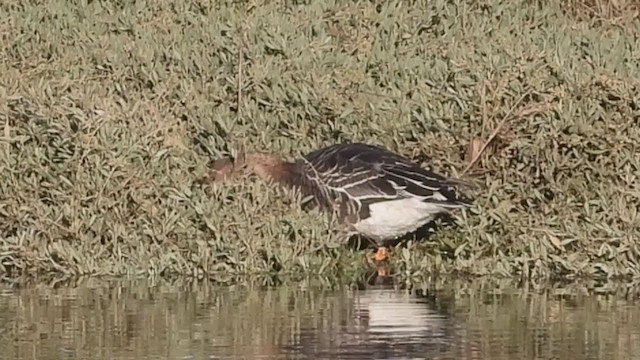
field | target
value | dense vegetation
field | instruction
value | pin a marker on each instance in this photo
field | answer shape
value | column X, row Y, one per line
column 110, row 112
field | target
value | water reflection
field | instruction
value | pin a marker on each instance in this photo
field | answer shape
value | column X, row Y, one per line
column 137, row 321
column 381, row 324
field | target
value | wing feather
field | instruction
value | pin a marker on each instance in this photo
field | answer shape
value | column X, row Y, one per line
column 367, row 174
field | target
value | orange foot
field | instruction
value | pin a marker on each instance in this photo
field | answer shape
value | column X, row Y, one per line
column 381, row 255
column 382, row 272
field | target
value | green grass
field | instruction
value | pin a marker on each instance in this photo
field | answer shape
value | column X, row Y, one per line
column 110, row 111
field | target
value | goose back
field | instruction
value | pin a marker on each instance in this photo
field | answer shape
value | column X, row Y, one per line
column 351, row 177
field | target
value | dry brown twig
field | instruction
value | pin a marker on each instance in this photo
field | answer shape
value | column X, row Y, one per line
column 477, row 146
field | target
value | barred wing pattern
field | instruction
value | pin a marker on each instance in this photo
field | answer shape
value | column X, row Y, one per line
column 357, row 175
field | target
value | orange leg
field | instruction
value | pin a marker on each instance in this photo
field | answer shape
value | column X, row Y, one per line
column 381, row 254
column 382, row 271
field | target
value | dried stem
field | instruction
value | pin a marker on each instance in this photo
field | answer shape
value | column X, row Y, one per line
column 495, row 133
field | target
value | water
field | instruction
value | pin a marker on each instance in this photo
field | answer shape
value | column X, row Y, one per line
column 136, row 321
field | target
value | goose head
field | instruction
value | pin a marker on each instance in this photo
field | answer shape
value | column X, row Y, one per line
column 259, row 164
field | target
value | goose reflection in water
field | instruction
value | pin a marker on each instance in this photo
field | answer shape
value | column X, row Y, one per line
column 385, row 324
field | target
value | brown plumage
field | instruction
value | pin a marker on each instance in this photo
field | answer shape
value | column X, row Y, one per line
column 373, row 191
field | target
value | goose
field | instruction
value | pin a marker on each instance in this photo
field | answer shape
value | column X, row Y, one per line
column 371, row 191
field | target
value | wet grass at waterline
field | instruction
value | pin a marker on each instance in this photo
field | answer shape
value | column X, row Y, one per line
column 110, row 112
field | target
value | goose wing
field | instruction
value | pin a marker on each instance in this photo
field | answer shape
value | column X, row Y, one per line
column 339, row 171
column 368, row 174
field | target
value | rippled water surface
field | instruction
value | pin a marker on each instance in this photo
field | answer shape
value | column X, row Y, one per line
column 138, row 321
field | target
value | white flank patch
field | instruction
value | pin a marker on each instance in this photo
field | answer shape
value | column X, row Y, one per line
column 390, row 219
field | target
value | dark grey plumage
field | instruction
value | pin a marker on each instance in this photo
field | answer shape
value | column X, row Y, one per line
column 352, row 177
